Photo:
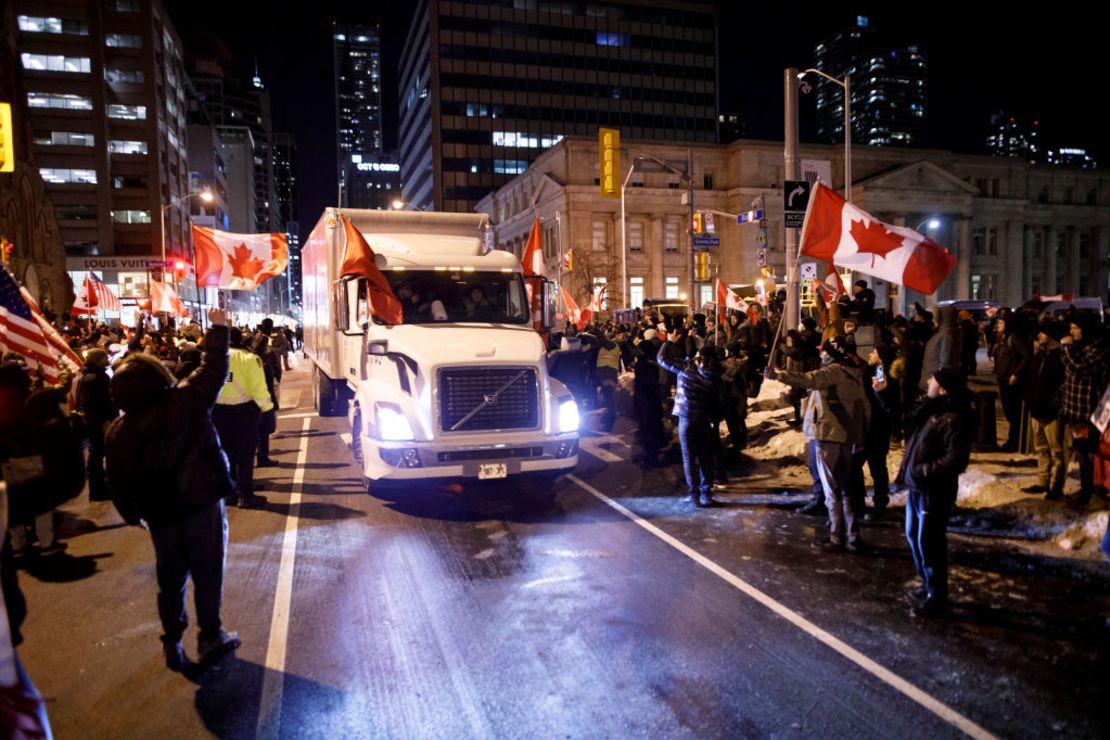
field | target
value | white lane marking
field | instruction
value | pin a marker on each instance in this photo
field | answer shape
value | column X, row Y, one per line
column 297, row 416
column 957, row 720
column 269, row 710
column 595, row 449
column 611, row 439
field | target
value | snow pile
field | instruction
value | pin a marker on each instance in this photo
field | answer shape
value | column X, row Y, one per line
column 989, row 503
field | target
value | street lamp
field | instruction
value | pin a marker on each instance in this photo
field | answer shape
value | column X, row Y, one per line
column 932, row 223
column 688, row 178
column 204, row 195
column 846, row 87
column 400, row 205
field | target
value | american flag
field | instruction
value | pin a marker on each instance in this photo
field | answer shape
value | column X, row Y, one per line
column 95, row 296
column 21, row 333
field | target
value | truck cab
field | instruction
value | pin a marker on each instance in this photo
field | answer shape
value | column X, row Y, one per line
column 460, row 389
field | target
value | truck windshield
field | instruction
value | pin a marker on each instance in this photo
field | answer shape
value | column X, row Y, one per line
column 459, row 296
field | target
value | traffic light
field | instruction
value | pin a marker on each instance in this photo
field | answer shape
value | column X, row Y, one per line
column 698, row 222
column 180, row 269
column 701, row 266
column 7, row 139
column 609, row 158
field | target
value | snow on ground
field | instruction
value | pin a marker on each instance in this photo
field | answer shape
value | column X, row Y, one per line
column 989, row 503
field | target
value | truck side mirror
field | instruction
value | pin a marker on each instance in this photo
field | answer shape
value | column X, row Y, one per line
column 550, row 291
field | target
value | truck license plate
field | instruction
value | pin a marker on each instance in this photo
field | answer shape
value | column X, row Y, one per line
column 489, row 471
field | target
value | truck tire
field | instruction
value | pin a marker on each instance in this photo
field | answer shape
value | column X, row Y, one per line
column 328, row 401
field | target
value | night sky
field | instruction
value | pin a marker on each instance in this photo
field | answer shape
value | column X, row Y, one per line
column 1032, row 65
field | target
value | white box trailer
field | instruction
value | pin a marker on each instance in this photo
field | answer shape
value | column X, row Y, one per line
column 460, row 389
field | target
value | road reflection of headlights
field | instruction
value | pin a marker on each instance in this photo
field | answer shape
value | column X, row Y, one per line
column 568, row 416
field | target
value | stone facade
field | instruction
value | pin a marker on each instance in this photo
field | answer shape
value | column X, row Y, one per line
column 1014, row 227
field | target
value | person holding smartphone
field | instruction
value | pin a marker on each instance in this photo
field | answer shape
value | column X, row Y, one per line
column 883, row 393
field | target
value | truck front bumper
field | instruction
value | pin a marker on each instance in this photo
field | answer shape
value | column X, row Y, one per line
column 395, row 461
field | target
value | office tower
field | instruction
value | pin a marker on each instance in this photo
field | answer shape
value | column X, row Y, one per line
column 485, row 88
column 887, row 82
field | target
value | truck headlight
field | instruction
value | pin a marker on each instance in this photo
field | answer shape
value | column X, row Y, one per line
column 568, row 416
column 393, row 425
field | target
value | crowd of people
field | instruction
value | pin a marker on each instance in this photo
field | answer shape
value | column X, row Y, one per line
column 168, row 424
column 862, row 384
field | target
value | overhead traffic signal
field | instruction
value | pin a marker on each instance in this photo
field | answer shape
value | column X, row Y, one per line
column 7, row 139
column 699, row 223
column 609, row 159
column 180, row 269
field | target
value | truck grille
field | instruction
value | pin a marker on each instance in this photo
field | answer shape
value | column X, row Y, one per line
column 461, row 390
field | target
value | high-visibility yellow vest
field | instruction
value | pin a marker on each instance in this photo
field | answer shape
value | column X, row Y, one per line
column 609, row 357
column 246, row 381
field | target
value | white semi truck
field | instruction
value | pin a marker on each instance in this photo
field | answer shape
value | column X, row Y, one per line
column 460, row 389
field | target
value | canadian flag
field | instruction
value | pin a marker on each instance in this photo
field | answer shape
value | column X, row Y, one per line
column 833, row 285
column 164, row 299
column 238, row 261
column 532, row 261
column 839, row 233
column 591, row 310
column 573, row 313
column 727, row 299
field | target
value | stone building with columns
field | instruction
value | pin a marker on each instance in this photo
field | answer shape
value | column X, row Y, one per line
column 1015, row 228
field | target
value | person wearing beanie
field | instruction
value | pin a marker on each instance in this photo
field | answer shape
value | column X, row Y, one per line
column 835, row 423
column 1042, row 395
column 166, row 471
column 1086, row 359
column 937, row 451
column 863, row 302
column 94, row 402
column 942, row 350
column 699, row 405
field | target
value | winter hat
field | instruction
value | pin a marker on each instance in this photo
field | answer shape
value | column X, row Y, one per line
column 139, row 379
column 861, row 284
column 839, row 348
column 96, row 356
column 1051, row 328
column 952, row 380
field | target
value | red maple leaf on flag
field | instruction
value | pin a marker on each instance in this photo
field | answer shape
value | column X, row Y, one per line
column 874, row 239
column 244, row 264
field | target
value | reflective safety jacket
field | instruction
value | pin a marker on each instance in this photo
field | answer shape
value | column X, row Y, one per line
column 246, row 381
column 609, row 358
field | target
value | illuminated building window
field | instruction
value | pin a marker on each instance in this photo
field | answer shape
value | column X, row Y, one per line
column 65, row 101
column 64, row 138
column 131, row 217
column 127, row 147
column 60, row 175
column 127, row 112
column 38, row 24
column 54, row 63
column 123, row 40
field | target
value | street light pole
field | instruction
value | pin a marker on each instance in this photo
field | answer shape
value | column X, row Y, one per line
column 624, row 239
column 790, row 156
column 846, row 86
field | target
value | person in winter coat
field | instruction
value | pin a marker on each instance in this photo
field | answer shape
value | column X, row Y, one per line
column 1010, row 367
column 166, row 471
column 937, row 451
column 698, row 405
column 1044, row 385
column 736, row 399
column 1086, row 359
column 943, row 348
column 969, row 343
column 648, row 397
column 94, row 401
column 884, row 396
column 836, row 419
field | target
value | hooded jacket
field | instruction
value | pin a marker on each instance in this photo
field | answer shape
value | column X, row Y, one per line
column 838, row 410
column 939, row 447
column 943, row 348
column 164, row 461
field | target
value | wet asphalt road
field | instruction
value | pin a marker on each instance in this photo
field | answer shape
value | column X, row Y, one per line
column 427, row 612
